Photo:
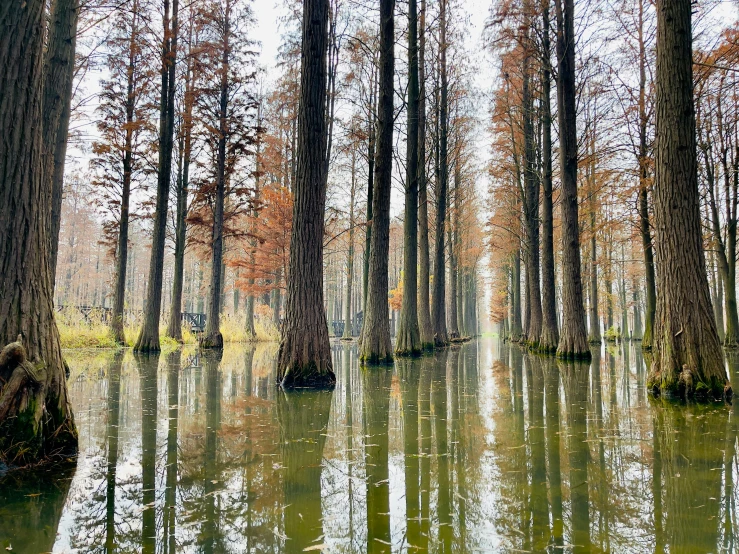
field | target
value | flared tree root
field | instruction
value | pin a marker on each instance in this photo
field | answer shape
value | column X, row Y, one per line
column 35, row 421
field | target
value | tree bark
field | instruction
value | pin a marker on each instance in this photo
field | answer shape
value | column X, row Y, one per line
column 594, row 337
column 304, row 358
column 438, row 306
column 57, row 101
column 370, row 191
column 174, row 329
column 148, row 340
column 643, row 198
column 375, row 344
column 116, row 321
column 531, row 183
column 452, row 222
column 573, row 341
column 350, row 254
column 408, row 341
column 213, row 336
column 687, row 352
column 424, row 270
column 36, row 420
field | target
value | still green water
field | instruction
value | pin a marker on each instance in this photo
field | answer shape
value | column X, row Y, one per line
column 479, row 448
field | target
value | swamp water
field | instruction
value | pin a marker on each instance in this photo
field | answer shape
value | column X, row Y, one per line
column 479, row 448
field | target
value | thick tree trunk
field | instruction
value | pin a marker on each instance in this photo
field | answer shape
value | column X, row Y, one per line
column 304, row 358
column 57, row 101
column 438, row 306
column 375, row 344
column 424, row 269
column 408, row 340
column 687, row 352
column 148, row 340
column 36, row 421
column 573, row 340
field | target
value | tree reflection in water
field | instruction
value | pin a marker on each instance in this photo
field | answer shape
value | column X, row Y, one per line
column 303, row 418
column 483, row 447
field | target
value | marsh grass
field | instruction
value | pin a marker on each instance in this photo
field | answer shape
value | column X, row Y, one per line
column 77, row 332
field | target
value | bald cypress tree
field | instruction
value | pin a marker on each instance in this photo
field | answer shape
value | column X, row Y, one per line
column 304, row 359
column 687, row 350
column 409, row 336
column 36, row 420
column 375, row 344
column 573, row 339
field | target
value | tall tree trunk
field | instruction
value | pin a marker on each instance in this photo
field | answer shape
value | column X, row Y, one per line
column 375, row 344
column 549, row 328
column 643, row 199
column 57, row 101
column 424, row 270
column 148, row 340
column 636, row 301
column 594, row 337
column 687, row 351
column 516, row 328
column 174, row 328
column 531, row 183
column 116, row 320
column 438, row 306
column 408, row 340
column 251, row 331
column 350, row 254
column 304, row 358
column 370, row 192
column 213, row 337
column 36, row 420
column 573, row 341
column 454, row 251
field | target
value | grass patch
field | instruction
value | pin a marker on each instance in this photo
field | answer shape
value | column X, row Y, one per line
column 76, row 331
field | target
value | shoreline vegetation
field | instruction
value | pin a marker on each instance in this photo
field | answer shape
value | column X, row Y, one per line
column 76, row 333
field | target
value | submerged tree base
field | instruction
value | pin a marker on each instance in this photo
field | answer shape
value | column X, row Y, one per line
column 214, row 340
column 688, row 386
column 308, row 376
column 147, row 344
column 36, row 422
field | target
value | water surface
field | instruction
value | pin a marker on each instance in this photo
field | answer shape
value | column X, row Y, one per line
column 479, row 448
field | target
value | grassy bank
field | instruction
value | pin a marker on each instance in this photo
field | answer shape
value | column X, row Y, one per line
column 77, row 332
